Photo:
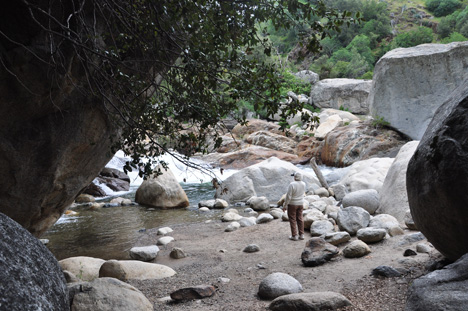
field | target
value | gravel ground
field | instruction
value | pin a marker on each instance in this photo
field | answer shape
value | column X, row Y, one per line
column 214, row 254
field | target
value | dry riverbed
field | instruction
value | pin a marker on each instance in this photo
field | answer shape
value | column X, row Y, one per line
column 216, row 258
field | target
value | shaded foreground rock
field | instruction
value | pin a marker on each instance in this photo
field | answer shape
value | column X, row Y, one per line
column 30, row 277
column 278, row 284
column 107, row 294
column 437, row 180
column 195, row 292
column 310, row 301
column 317, row 252
column 445, row 289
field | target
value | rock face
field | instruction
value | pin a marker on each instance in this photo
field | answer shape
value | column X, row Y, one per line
column 269, row 178
column 107, row 294
column 31, row 278
column 163, row 191
column 409, row 84
column 49, row 126
column 393, row 195
column 350, row 94
column 437, row 181
column 444, row 289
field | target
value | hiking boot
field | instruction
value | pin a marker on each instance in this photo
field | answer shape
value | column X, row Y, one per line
column 301, row 237
column 294, row 238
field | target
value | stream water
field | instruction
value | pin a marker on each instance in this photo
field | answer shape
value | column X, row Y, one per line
column 109, row 233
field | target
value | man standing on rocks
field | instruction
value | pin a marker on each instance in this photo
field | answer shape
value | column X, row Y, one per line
column 294, row 201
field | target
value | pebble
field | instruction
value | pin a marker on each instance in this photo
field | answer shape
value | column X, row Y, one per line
column 177, row 253
column 251, row 248
column 409, row 252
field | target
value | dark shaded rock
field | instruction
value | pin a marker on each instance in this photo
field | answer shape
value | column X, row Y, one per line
column 317, row 252
column 54, row 137
column 386, row 271
column 445, row 289
column 409, row 252
column 310, row 301
column 31, row 278
column 115, row 184
column 437, row 178
column 94, row 190
column 251, row 248
column 114, row 173
column 195, row 292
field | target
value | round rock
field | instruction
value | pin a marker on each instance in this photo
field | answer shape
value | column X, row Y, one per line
column 356, row 249
column 278, row 284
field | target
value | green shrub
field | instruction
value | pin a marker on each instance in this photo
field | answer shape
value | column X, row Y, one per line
column 379, row 122
column 454, row 37
column 413, row 38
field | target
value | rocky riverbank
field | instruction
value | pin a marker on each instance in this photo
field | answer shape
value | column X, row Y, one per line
column 215, row 257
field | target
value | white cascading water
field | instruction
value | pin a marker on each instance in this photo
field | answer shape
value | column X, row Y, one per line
column 182, row 172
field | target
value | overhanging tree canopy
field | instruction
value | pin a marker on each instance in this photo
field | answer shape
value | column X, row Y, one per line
column 167, row 71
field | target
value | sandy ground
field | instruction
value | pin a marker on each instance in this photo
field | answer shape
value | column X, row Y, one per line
column 214, row 254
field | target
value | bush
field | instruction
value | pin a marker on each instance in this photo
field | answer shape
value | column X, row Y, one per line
column 413, row 38
column 442, row 7
column 454, row 37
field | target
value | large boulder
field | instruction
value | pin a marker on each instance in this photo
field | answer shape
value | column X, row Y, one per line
column 162, row 191
column 393, row 195
column 445, row 289
column 307, row 76
column 54, row 136
column 269, row 178
column 107, row 294
column 409, row 84
column 31, row 278
column 350, row 94
column 354, row 142
column 368, row 199
column 437, row 181
column 366, row 174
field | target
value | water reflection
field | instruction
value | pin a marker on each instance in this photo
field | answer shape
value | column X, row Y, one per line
column 109, row 233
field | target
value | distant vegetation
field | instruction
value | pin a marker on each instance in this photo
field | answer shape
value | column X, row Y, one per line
column 353, row 52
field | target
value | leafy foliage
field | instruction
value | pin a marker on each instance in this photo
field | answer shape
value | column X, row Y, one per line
column 443, row 7
column 170, row 71
column 413, row 38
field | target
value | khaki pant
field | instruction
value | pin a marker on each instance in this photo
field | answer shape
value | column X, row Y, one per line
column 295, row 217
